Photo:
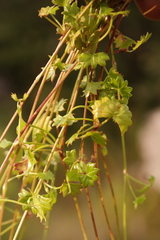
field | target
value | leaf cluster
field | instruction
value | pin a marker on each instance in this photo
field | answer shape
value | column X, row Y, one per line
column 80, row 174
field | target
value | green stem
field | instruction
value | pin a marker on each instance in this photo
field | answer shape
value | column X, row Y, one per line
column 125, row 188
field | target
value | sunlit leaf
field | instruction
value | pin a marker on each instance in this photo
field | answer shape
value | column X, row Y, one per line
column 92, row 87
column 105, row 108
column 45, row 11
column 60, row 2
column 61, row 121
column 115, row 85
column 142, row 40
column 71, row 12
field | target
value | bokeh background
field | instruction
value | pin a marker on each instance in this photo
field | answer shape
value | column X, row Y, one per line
column 25, row 43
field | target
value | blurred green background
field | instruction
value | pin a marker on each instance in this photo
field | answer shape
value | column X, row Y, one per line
column 25, row 43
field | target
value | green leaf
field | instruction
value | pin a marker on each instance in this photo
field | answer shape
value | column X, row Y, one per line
column 62, row 66
column 147, row 186
column 139, row 200
column 89, row 174
column 61, row 121
column 39, row 204
column 92, row 87
column 60, row 105
column 93, row 59
column 44, row 12
column 64, row 189
column 105, row 108
column 24, row 196
column 70, row 157
column 72, row 175
column 5, row 143
column 43, row 125
column 70, row 13
column 52, row 195
column 105, row 11
column 123, row 118
column 72, row 139
column 51, row 74
column 14, row 97
column 96, row 137
column 142, row 40
column 123, row 43
column 116, row 86
column 112, row 108
column 46, row 176
column 62, row 3
column 21, row 125
column 30, row 155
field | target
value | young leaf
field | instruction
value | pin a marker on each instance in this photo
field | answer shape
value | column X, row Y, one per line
column 60, row 105
column 21, row 125
column 62, row 3
column 96, row 137
column 40, row 205
column 116, row 86
column 139, row 200
column 46, row 176
column 92, row 87
column 62, row 66
column 142, row 40
column 70, row 157
column 72, row 139
column 71, row 12
column 44, row 12
column 61, row 121
column 89, row 174
column 5, row 143
column 104, row 11
column 123, row 43
column 93, row 59
column 64, row 189
column 24, row 197
column 147, row 186
column 21, row 166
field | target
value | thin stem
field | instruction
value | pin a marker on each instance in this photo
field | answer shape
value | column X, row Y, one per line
column 113, row 194
column 20, row 225
column 91, row 213
column 100, row 192
column 80, row 218
column 125, row 188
